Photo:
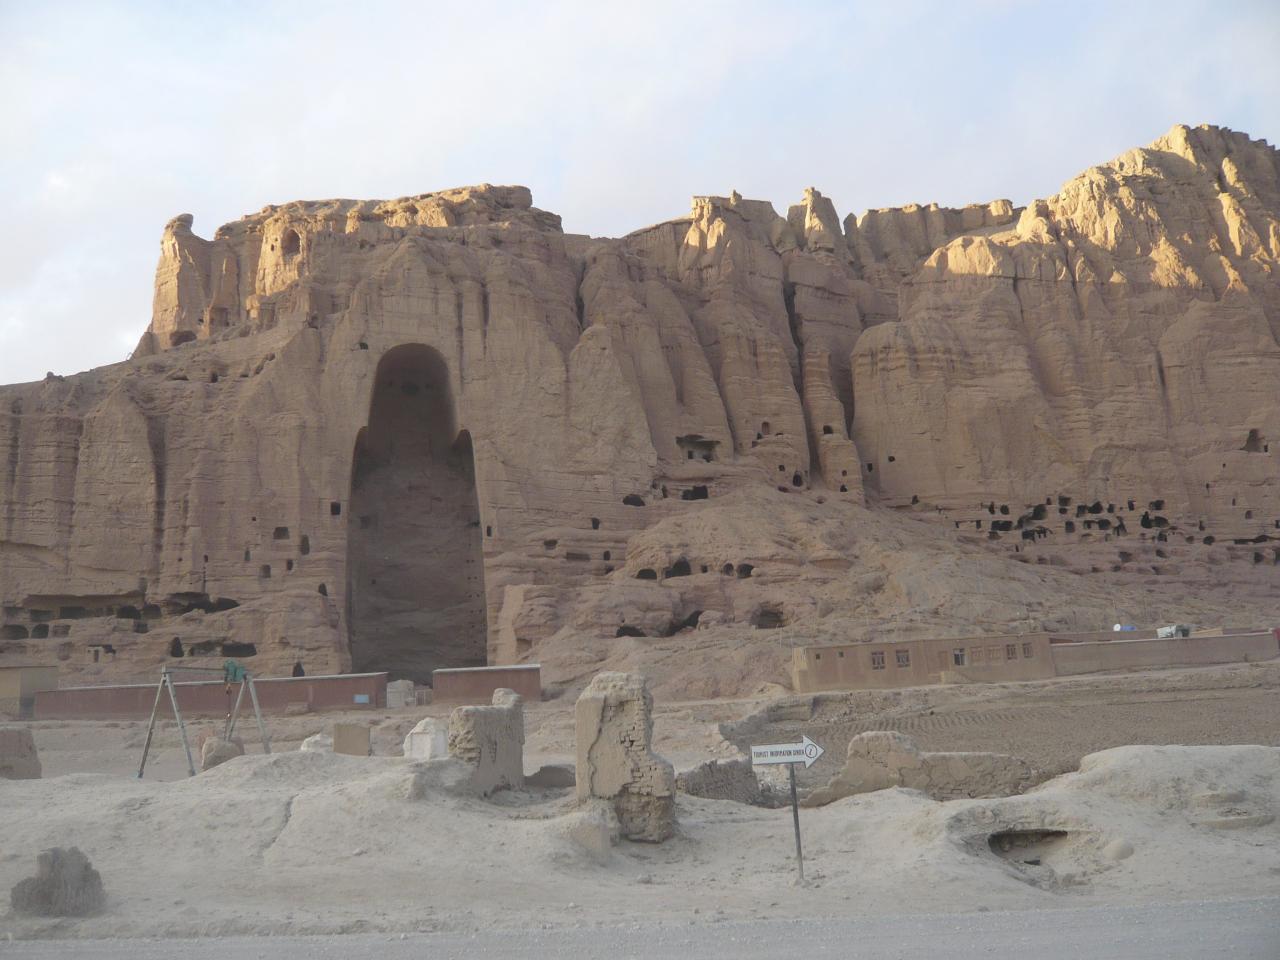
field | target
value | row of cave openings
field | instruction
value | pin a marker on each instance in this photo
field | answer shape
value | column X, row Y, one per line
column 683, row 568
column 766, row 616
column 1093, row 516
column 51, row 623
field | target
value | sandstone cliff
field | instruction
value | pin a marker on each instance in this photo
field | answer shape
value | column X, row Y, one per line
column 438, row 430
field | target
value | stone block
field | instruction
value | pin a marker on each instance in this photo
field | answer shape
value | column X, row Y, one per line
column 428, row 740
column 401, row 693
column 318, row 743
column 352, row 739
column 215, row 751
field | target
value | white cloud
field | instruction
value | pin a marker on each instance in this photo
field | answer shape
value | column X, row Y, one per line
column 614, row 113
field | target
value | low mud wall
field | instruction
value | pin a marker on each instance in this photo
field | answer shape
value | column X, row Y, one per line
column 210, row 697
column 1070, row 659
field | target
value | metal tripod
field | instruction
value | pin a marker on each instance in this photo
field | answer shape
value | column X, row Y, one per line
column 229, row 724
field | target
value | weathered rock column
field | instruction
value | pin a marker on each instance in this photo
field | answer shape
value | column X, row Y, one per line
column 615, row 760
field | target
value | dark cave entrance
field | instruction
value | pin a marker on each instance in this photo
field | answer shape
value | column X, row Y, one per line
column 415, row 571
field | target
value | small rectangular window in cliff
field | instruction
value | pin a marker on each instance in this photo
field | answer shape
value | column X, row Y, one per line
column 335, row 508
column 1011, row 651
column 280, row 533
column 957, row 657
column 877, row 659
column 903, row 657
column 1027, row 651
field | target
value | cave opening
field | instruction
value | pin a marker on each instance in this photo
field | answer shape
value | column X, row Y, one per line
column 415, row 588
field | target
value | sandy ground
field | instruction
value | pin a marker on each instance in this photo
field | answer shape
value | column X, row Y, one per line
column 301, row 843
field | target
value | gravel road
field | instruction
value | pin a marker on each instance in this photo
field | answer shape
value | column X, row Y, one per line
column 1240, row 930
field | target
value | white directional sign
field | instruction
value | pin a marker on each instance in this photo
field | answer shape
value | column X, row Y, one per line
column 806, row 752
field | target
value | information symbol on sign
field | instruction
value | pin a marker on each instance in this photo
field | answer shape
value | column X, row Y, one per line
column 811, row 750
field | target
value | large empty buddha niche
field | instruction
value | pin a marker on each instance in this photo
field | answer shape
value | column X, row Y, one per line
column 415, row 591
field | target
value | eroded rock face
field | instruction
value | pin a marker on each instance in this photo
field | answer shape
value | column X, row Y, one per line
column 65, row 885
column 437, row 431
column 881, row 759
column 615, row 759
column 19, row 759
column 1116, row 346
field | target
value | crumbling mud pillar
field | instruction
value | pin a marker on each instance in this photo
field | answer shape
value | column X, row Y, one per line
column 615, row 759
column 18, row 757
column 491, row 739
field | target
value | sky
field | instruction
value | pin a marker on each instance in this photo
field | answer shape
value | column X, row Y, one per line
column 115, row 117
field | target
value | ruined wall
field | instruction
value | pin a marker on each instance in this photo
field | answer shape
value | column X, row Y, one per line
column 880, row 759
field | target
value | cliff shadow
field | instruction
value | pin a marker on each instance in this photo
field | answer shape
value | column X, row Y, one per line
column 415, row 570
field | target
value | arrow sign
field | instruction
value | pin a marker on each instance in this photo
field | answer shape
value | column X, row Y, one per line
column 806, row 752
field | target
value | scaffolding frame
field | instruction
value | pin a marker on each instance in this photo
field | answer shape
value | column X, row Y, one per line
column 229, row 723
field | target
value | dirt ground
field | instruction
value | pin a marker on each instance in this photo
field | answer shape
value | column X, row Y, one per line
column 1051, row 723
column 306, row 842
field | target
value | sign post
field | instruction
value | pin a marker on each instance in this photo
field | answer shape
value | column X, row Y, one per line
column 806, row 752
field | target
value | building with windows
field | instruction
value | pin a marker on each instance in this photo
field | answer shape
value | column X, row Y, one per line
column 1038, row 656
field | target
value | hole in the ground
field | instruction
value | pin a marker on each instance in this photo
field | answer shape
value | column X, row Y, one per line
column 1026, row 846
